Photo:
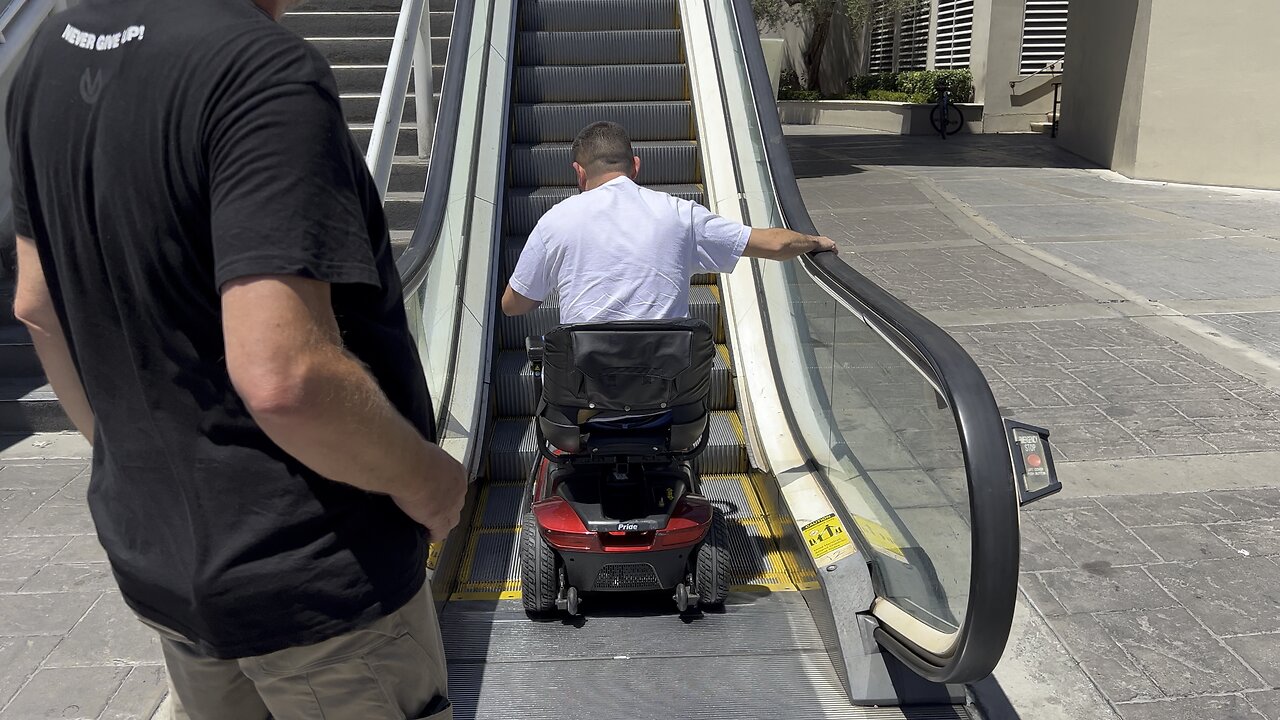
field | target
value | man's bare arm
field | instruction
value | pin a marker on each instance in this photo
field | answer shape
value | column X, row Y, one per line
column 319, row 403
column 513, row 303
column 784, row 244
column 33, row 305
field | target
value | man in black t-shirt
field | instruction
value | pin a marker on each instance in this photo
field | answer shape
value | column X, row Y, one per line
column 205, row 268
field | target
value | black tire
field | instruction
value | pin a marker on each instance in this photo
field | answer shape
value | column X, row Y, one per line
column 711, row 576
column 955, row 119
column 539, row 581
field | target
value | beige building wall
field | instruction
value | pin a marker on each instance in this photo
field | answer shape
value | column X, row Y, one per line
column 1174, row 90
column 995, row 59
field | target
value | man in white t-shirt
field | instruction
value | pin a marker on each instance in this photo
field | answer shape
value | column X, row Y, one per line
column 619, row 251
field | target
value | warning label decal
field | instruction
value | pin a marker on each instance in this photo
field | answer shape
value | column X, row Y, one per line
column 825, row 535
column 880, row 538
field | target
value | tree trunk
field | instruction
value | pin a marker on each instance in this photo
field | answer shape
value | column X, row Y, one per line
column 813, row 53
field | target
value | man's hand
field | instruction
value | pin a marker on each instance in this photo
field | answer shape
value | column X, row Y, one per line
column 823, row 244
column 784, row 244
column 438, row 506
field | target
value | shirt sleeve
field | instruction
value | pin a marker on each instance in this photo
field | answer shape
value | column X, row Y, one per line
column 284, row 189
column 719, row 242
column 532, row 276
column 19, row 165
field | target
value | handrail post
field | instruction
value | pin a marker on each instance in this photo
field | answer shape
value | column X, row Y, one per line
column 386, row 121
column 424, row 84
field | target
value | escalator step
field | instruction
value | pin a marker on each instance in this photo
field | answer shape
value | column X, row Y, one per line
column 513, row 448
column 601, row 83
column 605, row 47
column 514, row 390
column 704, row 304
column 524, row 206
column 664, row 163
column 598, row 14
column 560, row 122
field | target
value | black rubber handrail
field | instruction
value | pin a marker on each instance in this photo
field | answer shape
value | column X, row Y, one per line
column 416, row 259
column 413, row 263
column 993, row 503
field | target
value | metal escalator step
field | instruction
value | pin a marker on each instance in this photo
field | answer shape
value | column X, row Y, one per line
column 561, row 122
column 704, row 305
column 524, row 206
column 661, row 162
column 598, row 14
column 601, row 83
column 601, row 47
column 514, row 389
column 513, row 448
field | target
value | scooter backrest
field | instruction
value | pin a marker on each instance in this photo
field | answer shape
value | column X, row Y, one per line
column 631, row 366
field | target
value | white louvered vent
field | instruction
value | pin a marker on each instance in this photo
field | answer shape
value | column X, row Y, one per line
column 913, row 40
column 1044, row 34
column 881, row 53
column 955, row 31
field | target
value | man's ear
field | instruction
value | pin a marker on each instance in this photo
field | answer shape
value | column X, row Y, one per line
column 581, row 172
column 635, row 167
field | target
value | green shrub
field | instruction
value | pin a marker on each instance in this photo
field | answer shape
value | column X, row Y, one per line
column 792, row 93
column 919, row 85
column 895, row 96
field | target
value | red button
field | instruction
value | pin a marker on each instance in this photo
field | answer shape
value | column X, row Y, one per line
column 1034, row 460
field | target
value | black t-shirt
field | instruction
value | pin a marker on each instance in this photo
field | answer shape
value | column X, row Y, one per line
column 161, row 149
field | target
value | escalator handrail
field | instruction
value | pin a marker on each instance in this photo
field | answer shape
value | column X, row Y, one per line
column 413, row 263
column 988, row 463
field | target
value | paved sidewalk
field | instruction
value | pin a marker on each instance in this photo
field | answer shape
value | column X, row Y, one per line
column 1141, row 324
column 69, row 648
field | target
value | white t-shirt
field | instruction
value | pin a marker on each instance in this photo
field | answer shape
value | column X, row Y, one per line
column 624, row 252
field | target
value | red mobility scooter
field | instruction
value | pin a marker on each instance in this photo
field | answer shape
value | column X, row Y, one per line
column 614, row 503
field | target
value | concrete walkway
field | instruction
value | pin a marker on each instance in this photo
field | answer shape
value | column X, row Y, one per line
column 1141, row 324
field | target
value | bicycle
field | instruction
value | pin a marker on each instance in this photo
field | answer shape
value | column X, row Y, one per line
column 948, row 110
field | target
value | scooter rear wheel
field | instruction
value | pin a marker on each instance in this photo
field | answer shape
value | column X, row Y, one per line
column 539, row 581
column 711, row 576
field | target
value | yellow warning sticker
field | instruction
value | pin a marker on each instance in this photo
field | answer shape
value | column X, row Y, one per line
column 879, row 537
column 433, row 555
column 825, row 535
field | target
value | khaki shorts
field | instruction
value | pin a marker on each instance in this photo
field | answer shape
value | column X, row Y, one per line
column 392, row 669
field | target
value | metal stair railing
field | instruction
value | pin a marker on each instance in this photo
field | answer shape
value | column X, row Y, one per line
column 410, row 53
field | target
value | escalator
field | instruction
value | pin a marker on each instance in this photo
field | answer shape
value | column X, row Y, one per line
column 577, row 61
column 836, row 409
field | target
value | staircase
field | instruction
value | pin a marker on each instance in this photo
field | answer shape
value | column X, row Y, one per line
column 355, row 36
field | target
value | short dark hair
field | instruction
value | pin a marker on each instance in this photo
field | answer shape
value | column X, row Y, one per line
column 603, row 147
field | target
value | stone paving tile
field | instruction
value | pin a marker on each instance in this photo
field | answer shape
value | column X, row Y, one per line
column 109, row 634
column 1167, row 509
column 1258, row 213
column 1101, row 589
column 1039, row 552
column 1185, row 543
column 967, row 278
column 66, row 693
column 1080, row 220
column 1257, row 537
column 1181, row 269
column 1220, row 707
column 1252, row 504
column 1179, row 655
column 79, row 577
column 1091, row 536
column 20, row 558
column 20, row 657
column 1116, row 673
column 81, row 549
column 1231, row 597
column 55, row 520
column 43, row 613
column 1261, row 330
column 38, row 476
column 139, row 695
column 1038, row 594
column 1266, row 702
column 982, row 192
column 1260, row 652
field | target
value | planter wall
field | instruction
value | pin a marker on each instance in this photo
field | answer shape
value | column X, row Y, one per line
column 894, row 117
